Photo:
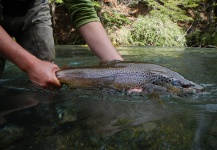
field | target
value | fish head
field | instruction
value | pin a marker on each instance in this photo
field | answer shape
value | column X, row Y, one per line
column 178, row 85
column 186, row 87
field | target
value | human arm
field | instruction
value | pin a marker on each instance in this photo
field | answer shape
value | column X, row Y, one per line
column 40, row 72
column 97, row 39
column 86, row 21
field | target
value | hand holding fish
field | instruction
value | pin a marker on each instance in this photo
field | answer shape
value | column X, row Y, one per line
column 43, row 74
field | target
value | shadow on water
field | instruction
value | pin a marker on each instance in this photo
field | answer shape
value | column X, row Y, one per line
column 32, row 118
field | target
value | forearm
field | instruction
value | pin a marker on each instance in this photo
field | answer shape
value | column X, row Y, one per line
column 12, row 51
column 86, row 20
column 97, row 39
column 40, row 72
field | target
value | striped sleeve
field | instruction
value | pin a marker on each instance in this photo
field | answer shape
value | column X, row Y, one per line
column 81, row 11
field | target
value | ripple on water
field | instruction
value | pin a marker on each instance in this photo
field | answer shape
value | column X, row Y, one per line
column 85, row 119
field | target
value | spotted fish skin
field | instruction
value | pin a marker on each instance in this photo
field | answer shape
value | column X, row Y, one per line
column 127, row 75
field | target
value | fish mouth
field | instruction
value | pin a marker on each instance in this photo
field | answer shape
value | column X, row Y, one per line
column 191, row 87
column 186, row 90
column 197, row 89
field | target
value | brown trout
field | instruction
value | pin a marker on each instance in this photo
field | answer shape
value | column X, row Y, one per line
column 128, row 75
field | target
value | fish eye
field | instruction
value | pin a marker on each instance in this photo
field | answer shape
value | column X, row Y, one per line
column 186, row 86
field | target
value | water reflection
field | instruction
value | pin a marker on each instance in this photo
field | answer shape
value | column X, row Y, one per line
column 13, row 100
column 101, row 119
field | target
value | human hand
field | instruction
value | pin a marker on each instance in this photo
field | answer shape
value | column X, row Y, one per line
column 43, row 73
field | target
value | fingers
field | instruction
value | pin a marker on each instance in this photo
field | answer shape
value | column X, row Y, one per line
column 44, row 75
column 55, row 83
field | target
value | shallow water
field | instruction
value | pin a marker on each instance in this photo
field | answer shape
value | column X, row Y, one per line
column 32, row 118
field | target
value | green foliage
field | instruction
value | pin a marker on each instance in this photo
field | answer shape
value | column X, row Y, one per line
column 200, row 38
column 150, row 30
column 114, row 19
column 157, row 30
column 172, row 8
column 57, row 1
column 121, row 36
column 96, row 5
column 158, row 27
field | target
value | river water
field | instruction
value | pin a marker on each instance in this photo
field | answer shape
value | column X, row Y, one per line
column 34, row 118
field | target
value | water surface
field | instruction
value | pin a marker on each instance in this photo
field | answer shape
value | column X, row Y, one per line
column 33, row 118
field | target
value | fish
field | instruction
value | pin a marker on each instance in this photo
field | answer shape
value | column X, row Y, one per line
column 125, row 75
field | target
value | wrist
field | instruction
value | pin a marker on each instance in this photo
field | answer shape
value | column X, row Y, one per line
column 29, row 63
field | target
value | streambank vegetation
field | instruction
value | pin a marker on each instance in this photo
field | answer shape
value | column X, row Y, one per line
column 148, row 23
